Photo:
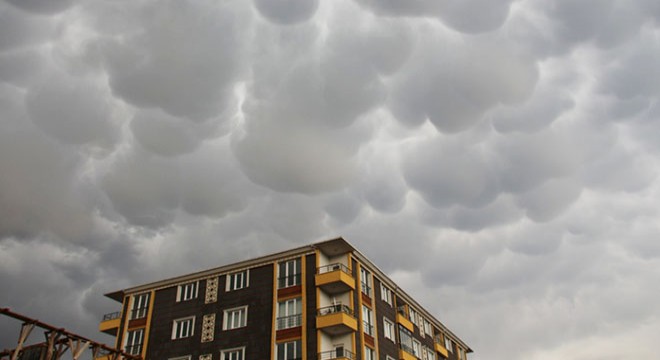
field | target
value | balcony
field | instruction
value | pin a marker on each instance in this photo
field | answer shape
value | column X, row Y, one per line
column 402, row 319
column 406, row 353
column 110, row 323
column 337, row 354
column 439, row 348
column 335, row 278
column 336, row 320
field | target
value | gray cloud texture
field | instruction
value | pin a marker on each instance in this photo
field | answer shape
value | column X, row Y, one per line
column 498, row 158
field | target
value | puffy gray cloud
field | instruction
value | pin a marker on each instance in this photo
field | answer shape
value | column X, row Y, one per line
column 287, row 11
column 498, row 158
column 44, row 7
column 183, row 60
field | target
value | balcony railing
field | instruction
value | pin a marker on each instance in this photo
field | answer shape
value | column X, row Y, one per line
column 133, row 349
column 139, row 313
column 290, row 280
column 334, row 309
column 336, row 354
column 112, row 316
column 290, row 321
column 407, row 348
column 366, row 289
column 368, row 328
column 333, row 267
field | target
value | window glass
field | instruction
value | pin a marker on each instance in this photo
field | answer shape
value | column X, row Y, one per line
column 289, row 313
column 183, row 328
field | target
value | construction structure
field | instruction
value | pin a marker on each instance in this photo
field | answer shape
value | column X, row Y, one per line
column 58, row 343
column 321, row 301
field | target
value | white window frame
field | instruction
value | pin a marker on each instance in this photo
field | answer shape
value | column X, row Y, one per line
column 188, row 291
column 291, row 276
column 244, row 282
column 386, row 294
column 412, row 315
column 428, row 328
column 135, row 343
column 226, row 353
column 183, row 328
column 228, row 318
column 140, row 306
column 365, row 281
column 187, row 357
column 417, row 348
column 292, row 307
column 367, row 321
column 371, row 353
column 387, row 357
column 286, row 354
column 449, row 344
column 388, row 329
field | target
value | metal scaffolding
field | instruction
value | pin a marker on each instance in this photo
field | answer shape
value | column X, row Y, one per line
column 57, row 343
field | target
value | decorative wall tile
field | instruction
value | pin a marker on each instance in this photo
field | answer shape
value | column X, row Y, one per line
column 206, row 357
column 211, row 290
column 208, row 327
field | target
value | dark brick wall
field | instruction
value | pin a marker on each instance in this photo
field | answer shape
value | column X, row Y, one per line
column 310, row 290
column 255, row 336
column 383, row 309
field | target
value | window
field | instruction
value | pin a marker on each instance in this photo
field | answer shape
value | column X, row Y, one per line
column 140, row 306
column 461, row 353
column 428, row 329
column 183, row 328
column 427, row 353
column 186, row 291
column 449, row 345
column 289, row 273
column 233, row 354
column 235, row 318
column 412, row 315
column 133, row 344
column 289, row 350
column 289, row 313
column 417, row 348
column 238, row 280
column 385, row 294
column 406, row 340
column 365, row 279
column 388, row 329
column 367, row 322
column 387, row 357
column 369, row 353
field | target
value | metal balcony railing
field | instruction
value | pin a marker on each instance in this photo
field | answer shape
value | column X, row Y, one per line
column 290, row 321
column 286, row 281
column 336, row 354
column 333, row 309
column 407, row 348
column 112, row 316
column 133, row 349
column 368, row 328
column 333, row 267
column 139, row 313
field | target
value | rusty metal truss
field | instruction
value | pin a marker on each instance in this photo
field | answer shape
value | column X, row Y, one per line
column 58, row 342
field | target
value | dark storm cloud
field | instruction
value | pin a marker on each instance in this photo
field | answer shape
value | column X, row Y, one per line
column 498, row 158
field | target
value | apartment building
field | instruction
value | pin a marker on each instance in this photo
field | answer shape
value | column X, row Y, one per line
column 322, row 301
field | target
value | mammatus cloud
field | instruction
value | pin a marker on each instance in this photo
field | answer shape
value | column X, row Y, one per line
column 498, row 158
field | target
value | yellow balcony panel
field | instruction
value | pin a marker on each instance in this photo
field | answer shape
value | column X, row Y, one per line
column 334, row 279
column 439, row 348
column 336, row 320
column 401, row 319
column 110, row 323
column 404, row 355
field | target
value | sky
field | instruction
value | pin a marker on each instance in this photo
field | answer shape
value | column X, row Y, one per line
column 498, row 159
